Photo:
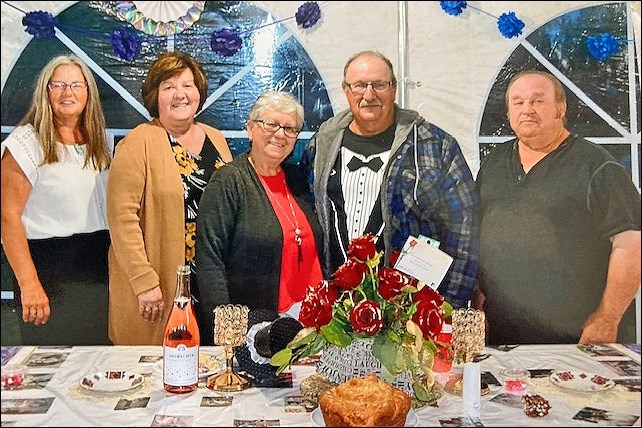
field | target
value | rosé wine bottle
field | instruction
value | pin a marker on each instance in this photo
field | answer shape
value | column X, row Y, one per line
column 182, row 339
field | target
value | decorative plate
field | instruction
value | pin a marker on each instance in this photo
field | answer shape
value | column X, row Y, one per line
column 317, row 418
column 581, row 381
column 208, row 365
column 112, row 381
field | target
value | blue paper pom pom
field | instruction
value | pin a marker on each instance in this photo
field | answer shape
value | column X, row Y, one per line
column 125, row 43
column 453, row 8
column 603, row 46
column 226, row 42
column 308, row 14
column 510, row 25
column 40, row 24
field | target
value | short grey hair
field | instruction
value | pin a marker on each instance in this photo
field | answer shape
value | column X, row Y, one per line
column 372, row 53
column 280, row 101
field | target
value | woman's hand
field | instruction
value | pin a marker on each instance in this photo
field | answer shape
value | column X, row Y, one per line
column 150, row 304
column 35, row 303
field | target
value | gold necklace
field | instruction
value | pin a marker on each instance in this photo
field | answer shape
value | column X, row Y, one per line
column 298, row 239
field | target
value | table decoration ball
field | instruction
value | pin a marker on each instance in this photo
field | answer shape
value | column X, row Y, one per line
column 535, row 406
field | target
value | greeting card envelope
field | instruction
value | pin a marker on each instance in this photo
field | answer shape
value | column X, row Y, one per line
column 421, row 260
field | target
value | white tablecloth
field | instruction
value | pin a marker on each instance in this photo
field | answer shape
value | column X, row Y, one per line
column 72, row 405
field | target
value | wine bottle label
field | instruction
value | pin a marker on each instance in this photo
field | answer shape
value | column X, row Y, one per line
column 180, row 365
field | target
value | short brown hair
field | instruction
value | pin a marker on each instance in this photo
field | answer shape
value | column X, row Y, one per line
column 166, row 66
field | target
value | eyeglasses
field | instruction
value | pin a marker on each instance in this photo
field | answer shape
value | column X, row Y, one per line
column 273, row 127
column 361, row 87
column 76, row 87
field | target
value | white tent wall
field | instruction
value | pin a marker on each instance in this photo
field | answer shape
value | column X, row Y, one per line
column 449, row 63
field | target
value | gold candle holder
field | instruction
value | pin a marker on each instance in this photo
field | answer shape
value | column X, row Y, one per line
column 469, row 334
column 230, row 330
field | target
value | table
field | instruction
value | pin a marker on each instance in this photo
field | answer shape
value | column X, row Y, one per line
column 71, row 405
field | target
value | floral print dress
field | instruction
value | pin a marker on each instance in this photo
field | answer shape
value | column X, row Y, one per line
column 196, row 171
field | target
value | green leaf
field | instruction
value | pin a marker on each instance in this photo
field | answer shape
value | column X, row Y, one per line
column 281, row 358
column 421, row 392
column 333, row 332
column 388, row 354
column 318, row 345
column 447, row 308
column 304, row 340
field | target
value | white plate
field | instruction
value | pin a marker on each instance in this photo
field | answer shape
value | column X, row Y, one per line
column 581, row 381
column 317, row 418
column 208, row 365
column 112, row 381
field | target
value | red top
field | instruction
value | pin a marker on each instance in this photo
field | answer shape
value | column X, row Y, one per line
column 296, row 274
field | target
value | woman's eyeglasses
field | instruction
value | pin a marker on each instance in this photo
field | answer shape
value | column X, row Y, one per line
column 273, row 127
column 76, row 87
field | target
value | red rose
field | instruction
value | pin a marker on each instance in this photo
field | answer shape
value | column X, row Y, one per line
column 366, row 317
column 391, row 281
column 363, row 248
column 316, row 308
column 349, row 275
column 427, row 294
column 429, row 318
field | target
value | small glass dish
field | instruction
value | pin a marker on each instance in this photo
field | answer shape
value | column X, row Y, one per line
column 515, row 380
column 13, row 376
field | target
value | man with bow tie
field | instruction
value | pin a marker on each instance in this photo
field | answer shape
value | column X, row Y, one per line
column 376, row 168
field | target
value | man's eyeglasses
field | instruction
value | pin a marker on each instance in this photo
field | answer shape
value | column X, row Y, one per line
column 362, row 87
column 76, row 87
column 273, row 127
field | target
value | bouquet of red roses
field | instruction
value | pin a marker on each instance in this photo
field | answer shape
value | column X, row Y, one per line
column 363, row 299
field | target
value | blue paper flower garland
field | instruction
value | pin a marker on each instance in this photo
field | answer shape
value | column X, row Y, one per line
column 509, row 24
column 308, row 14
column 125, row 43
column 227, row 42
column 454, row 8
column 602, row 47
column 224, row 42
column 40, row 24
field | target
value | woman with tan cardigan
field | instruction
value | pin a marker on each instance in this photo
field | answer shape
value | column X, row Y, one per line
column 157, row 176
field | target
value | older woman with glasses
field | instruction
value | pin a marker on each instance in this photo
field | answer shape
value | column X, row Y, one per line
column 256, row 235
column 54, row 229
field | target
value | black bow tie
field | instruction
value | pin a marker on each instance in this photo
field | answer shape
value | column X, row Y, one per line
column 374, row 164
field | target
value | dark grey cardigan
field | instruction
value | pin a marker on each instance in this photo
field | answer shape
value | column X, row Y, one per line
column 239, row 240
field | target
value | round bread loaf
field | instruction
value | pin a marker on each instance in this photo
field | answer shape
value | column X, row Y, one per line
column 364, row 402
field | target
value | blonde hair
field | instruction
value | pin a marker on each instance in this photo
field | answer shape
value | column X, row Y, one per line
column 92, row 119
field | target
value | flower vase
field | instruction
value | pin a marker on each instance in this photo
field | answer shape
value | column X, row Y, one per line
column 356, row 360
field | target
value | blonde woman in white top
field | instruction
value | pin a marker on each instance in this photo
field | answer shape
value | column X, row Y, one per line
column 54, row 228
